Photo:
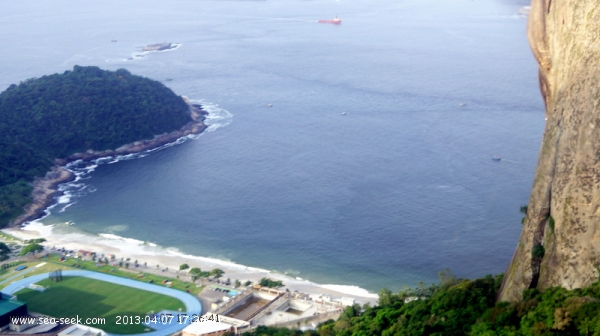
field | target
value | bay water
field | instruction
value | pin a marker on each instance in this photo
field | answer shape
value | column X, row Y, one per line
column 372, row 167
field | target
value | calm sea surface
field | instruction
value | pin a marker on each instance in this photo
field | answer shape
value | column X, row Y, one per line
column 387, row 194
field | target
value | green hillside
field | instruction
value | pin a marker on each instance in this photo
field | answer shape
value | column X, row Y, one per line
column 86, row 108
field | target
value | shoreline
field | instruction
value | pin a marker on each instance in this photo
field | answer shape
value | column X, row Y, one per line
column 165, row 261
column 46, row 189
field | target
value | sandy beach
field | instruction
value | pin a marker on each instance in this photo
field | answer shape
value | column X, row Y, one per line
column 152, row 255
column 151, row 258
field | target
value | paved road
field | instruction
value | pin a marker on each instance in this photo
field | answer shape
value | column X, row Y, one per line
column 191, row 303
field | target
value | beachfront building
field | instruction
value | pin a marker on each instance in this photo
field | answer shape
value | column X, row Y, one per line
column 84, row 254
column 256, row 305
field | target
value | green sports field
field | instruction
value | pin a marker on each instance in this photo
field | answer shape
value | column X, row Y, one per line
column 87, row 297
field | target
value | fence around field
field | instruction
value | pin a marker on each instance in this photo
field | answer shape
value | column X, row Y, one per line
column 191, row 303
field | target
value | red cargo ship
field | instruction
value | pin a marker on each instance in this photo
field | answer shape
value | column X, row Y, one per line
column 334, row 21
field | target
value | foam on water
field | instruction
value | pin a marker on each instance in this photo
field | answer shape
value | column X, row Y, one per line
column 225, row 263
column 44, row 230
column 130, row 246
column 119, row 238
column 66, row 206
column 350, row 290
column 216, row 118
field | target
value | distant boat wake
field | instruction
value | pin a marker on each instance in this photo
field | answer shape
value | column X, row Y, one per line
column 499, row 159
column 511, row 161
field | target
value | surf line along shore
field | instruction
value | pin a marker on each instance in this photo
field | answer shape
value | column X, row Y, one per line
column 45, row 189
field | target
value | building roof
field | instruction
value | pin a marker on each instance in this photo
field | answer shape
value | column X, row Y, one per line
column 6, row 306
column 80, row 330
column 206, row 327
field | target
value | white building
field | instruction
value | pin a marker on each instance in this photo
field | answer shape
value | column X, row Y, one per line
column 207, row 328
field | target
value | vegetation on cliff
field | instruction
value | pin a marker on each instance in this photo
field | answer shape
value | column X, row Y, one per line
column 465, row 307
column 87, row 108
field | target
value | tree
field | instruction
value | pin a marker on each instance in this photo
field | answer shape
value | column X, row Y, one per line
column 237, row 283
column 266, row 282
column 34, row 247
column 385, row 297
column 447, row 279
column 37, row 240
column 183, row 266
column 4, row 249
column 217, row 273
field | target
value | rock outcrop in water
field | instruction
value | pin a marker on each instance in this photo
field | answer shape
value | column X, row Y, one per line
column 560, row 242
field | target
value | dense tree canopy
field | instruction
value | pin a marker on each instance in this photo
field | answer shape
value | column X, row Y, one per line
column 86, row 108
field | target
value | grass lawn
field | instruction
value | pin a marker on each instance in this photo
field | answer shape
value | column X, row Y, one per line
column 93, row 298
column 131, row 273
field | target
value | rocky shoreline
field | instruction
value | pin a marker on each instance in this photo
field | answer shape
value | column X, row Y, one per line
column 45, row 189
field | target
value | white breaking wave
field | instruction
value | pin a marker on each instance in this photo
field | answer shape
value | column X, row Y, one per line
column 216, row 118
column 351, row 290
column 217, row 262
column 44, row 230
column 66, row 206
column 134, row 247
column 127, row 240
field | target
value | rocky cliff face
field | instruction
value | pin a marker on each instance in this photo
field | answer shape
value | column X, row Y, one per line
column 560, row 242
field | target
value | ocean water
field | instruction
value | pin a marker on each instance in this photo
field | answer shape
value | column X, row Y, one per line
column 373, row 166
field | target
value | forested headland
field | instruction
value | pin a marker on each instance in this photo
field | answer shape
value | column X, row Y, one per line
column 83, row 109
